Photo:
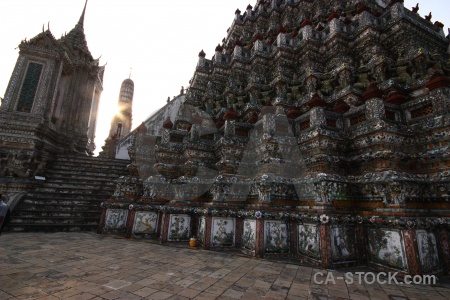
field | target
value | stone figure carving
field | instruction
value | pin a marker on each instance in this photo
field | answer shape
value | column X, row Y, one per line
column 402, row 70
column 363, row 78
column 17, row 165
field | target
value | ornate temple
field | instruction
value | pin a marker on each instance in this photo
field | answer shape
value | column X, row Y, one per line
column 51, row 102
column 48, row 120
column 319, row 130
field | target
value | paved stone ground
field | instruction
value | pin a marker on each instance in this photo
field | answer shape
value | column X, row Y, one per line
column 90, row 266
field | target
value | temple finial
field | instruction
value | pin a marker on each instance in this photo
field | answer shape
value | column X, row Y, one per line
column 129, row 76
column 81, row 21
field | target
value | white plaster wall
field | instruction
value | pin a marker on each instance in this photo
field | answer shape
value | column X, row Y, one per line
column 153, row 123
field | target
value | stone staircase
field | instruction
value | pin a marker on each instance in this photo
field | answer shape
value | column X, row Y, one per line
column 70, row 198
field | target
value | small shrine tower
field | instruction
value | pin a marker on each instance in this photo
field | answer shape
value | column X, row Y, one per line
column 121, row 123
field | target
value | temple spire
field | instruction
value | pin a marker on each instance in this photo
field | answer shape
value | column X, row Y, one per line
column 81, row 21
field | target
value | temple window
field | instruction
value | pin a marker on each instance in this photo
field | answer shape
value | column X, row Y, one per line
column 29, row 87
column 119, row 130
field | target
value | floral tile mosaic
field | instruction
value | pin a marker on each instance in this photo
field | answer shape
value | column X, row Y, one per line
column 201, row 230
column 428, row 252
column 145, row 223
column 276, row 237
column 179, row 228
column 222, row 233
column 343, row 243
column 309, row 240
column 116, row 219
column 386, row 247
column 248, row 235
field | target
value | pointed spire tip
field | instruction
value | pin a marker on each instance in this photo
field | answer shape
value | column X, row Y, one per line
column 81, row 21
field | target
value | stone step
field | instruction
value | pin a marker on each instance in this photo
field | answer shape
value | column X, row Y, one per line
column 92, row 161
column 77, row 157
column 76, row 190
column 79, row 173
column 63, row 175
column 33, row 227
column 56, row 220
column 37, row 209
column 70, row 198
column 89, row 168
column 39, row 213
column 81, row 185
column 62, row 201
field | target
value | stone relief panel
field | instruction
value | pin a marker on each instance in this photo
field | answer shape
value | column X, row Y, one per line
column 145, row 222
column 428, row 251
column 116, row 219
column 249, row 235
column 276, row 237
column 179, row 228
column 343, row 243
column 387, row 248
column 222, row 232
column 201, row 230
column 14, row 82
column 309, row 240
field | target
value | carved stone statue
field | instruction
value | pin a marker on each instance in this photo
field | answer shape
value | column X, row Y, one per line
column 403, row 75
column 363, row 78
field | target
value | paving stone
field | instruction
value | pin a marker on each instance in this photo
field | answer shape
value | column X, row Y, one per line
column 189, row 293
column 90, row 266
column 160, row 295
column 145, row 292
column 206, row 296
column 117, row 284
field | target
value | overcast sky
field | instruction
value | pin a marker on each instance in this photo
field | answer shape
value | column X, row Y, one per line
column 159, row 40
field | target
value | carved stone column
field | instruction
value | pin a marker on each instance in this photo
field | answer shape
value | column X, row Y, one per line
column 159, row 225
column 130, row 223
column 442, row 235
column 259, row 242
column 165, row 228
column 412, row 252
column 293, row 226
column 101, row 224
column 207, row 240
column 325, row 245
column 361, row 244
column 238, row 233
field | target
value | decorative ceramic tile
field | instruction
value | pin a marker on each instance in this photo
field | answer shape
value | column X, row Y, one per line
column 201, row 230
column 248, row 236
column 387, row 248
column 222, row 233
column 145, row 222
column 116, row 219
column 309, row 240
column 179, row 228
column 428, row 251
column 343, row 243
column 276, row 237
